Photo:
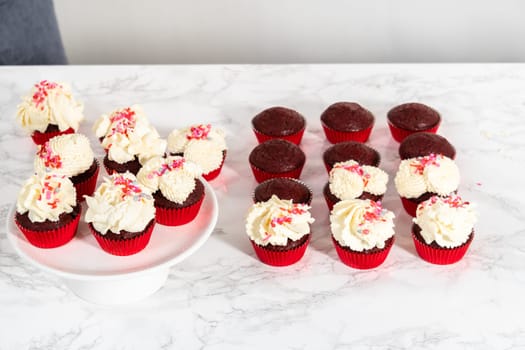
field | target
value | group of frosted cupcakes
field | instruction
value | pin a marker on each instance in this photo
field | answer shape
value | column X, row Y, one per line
column 151, row 180
column 362, row 230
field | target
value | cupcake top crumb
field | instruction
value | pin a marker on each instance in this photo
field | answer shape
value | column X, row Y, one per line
column 424, row 143
column 351, row 150
column 348, row 180
column 276, row 220
column 434, row 173
column 46, row 196
column 277, row 156
column 278, row 121
column 347, row 117
column 447, row 221
column 361, row 224
column 120, row 203
column 67, row 155
column 413, row 117
column 50, row 103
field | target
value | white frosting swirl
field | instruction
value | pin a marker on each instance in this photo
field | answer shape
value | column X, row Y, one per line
column 433, row 173
column 275, row 221
column 173, row 176
column 447, row 221
column 50, row 103
column 201, row 144
column 67, row 155
column 348, row 180
column 45, row 197
column 120, row 203
column 361, row 224
column 127, row 133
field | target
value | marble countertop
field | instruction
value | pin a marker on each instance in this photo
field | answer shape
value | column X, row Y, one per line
column 222, row 297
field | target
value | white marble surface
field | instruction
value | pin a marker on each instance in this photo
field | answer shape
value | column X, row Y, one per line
column 223, row 297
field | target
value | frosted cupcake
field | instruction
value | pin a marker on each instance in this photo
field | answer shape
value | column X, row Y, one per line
column 121, row 215
column 349, row 180
column 46, row 210
column 362, row 232
column 129, row 139
column 49, row 110
column 201, row 144
column 443, row 229
column 279, row 230
column 420, row 178
column 69, row 155
column 177, row 191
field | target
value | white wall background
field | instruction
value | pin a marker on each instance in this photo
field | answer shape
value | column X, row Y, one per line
column 281, row 31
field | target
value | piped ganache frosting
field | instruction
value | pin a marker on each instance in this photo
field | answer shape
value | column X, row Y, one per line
column 174, row 176
column 275, row 221
column 67, row 155
column 361, row 224
column 433, row 173
column 448, row 221
column 45, row 197
column 126, row 133
column 120, row 203
column 50, row 103
column 348, row 180
column 201, row 144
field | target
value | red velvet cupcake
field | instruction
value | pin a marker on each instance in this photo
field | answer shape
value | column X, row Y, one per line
column 177, row 191
column 283, row 188
column 350, row 150
column 347, row 121
column 121, row 215
column 279, row 122
column 276, row 158
column 423, row 144
column 49, row 110
column 410, row 118
column 47, row 212
column 279, row 230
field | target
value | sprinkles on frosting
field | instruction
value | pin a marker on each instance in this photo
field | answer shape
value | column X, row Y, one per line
column 130, row 188
column 42, row 91
column 453, row 201
column 285, row 216
column 199, row 132
column 376, row 212
column 49, row 192
column 50, row 160
column 422, row 162
column 356, row 169
column 165, row 167
column 122, row 121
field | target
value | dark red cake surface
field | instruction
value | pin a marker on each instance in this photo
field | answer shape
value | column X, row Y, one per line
column 284, row 188
column 278, row 121
column 351, row 150
column 424, row 143
column 413, row 117
column 277, row 156
column 347, row 117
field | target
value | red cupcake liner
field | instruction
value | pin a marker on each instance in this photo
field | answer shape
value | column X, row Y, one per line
column 335, row 136
column 126, row 246
column 362, row 260
column 214, row 173
column 441, row 256
column 410, row 206
column 293, row 138
column 87, row 187
column 261, row 175
column 52, row 238
column 400, row 134
column 177, row 216
column 40, row 138
column 280, row 258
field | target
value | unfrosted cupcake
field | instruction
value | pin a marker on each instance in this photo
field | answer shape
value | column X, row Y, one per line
column 46, row 210
column 49, row 110
column 202, row 144
column 70, row 155
column 425, row 143
column 279, row 122
column 284, row 188
column 276, row 158
column 350, row 150
column 443, row 229
column 129, row 139
column 420, row 178
column 409, row 118
column 177, row 191
column 349, row 180
column 362, row 232
column 121, row 215
column 279, row 230
column 347, row 121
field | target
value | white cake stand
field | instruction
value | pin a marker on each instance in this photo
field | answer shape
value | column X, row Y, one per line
column 102, row 278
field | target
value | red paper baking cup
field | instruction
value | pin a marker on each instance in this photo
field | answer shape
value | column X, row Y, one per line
column 52, row 238
column 42, row 137
column 261, row 175
column 441, row 256
column 362, row 260
column 410, row 206
column 214, row 173
column 177, row 216
column 400, row 134
column 87, row 187
column 125, row 246
column 335, row 136
column 280, row 258
column 293, row 138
